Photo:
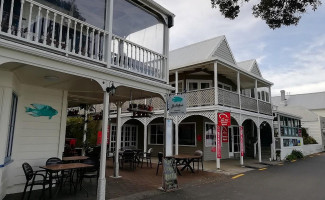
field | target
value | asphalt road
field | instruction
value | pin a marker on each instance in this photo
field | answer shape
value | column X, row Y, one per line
column 300, row 180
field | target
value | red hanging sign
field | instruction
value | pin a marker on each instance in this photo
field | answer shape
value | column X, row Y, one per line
column 241, row 140
column 224, row 134
column 224, row 119
column 218, row 142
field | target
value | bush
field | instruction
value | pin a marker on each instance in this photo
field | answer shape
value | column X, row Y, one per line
column 307, row 138
column 295, row 154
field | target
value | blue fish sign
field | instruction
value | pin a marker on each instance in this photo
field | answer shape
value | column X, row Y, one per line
column 41, row 110
column 177, row 99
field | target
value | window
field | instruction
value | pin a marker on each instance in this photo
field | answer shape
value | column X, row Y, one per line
column 210, row 135
column 198, row 84
column 186, row 134
column 289, row 126
column 224, row 86
column 156, row 134
column 11, row 128
column 180, row 86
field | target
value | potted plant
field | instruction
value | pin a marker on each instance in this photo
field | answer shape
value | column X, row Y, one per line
column 150, row 108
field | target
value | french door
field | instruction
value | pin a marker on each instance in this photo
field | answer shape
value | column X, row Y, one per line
column 234, row 140
column 129, row 136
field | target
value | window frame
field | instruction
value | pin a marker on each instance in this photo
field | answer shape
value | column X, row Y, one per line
column 149, row 133
column 223, row 86
column 180, row 81
column 194, row 134
column 11, row 127
column 205, row 139
column 198, row 83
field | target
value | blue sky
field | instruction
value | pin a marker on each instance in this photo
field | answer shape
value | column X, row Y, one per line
column 293, row 58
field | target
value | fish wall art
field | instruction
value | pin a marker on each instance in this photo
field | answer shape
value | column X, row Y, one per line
column 39, row 110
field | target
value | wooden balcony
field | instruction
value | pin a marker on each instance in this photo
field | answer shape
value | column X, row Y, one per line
column 50, row 30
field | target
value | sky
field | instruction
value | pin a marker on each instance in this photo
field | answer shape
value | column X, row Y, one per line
column 293, row 58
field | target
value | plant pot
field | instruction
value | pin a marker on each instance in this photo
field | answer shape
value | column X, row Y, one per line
column 150, row 108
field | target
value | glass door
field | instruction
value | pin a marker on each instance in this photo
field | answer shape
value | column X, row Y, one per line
column 234, row 140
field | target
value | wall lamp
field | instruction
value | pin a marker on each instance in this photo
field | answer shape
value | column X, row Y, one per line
column 111, row 89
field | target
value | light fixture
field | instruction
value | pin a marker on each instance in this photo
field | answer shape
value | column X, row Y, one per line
column 51, row 78
column 111, row 89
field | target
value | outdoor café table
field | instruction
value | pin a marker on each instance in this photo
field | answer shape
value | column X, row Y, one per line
column 74, row 158
column 186, row 160
column 62, row 167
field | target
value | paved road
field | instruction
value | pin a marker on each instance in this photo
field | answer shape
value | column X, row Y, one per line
column 300, row 180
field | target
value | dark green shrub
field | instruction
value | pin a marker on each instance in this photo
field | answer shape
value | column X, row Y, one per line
column 307, row 138
column 298, row 154
column 291, row 157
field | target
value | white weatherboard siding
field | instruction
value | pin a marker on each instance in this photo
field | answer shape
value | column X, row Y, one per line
column 36, row 138
column 313, row 129
column 320, row 112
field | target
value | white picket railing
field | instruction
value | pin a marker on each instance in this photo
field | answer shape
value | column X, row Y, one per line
column 51, row 30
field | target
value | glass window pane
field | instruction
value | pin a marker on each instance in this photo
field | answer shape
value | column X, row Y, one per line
column 186, row 134
column 205, row 85
column 193, row 86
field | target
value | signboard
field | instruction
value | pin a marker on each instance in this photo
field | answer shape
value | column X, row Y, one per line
column 224, row 119
column 241, row 132
column 224, row 134
column 218, row 142
column 99, row 137
column 169, row 174
column 169, row 137
column 177, row 105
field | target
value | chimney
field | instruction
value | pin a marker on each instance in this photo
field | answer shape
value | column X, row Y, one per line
column 283, row 97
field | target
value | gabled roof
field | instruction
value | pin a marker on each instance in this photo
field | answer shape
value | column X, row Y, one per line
column 305, row 114
column 215, row 48
column 250, row 66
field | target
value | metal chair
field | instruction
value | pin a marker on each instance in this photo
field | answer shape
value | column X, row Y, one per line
column 147, row 157
column 160, row 158
column 30, row 175
column 128, row 156
column 58, row 177
column 198, row 160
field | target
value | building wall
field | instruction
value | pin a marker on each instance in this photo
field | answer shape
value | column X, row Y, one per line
column 36, row 138
column 313, row 130
column 320, row 112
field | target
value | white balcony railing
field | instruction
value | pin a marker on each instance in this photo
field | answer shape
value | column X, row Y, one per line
column 248, row 103
column 265, row 107
column 228, row 98
column 204, row 97
column 48, row 29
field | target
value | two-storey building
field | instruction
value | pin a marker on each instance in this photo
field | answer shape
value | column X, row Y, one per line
column 57, row 54
column 213, row 82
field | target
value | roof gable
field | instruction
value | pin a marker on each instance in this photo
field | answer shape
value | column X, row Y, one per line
column 250, row 66
column 223, row 51
column 193, row 54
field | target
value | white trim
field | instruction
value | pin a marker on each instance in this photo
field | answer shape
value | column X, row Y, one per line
column 149, row 133
column 223, row 86
column 179, row 81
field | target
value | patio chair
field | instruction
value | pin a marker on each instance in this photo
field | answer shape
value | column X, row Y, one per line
column 128, row 156
column 148, row 157
column 160, row 158
column 57, row 177
column 90, row 173
column 31, row 175
column 198, row 160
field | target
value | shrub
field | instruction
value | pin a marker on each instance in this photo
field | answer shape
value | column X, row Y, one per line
column 307, row 138
column 295, row 154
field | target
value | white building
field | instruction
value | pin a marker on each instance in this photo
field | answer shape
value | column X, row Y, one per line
column 214, row 82
column 61, row 54
column 310, row 107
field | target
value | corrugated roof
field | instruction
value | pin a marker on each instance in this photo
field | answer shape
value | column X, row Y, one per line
column 194, row 53
column 305, row 114
column 310, row 101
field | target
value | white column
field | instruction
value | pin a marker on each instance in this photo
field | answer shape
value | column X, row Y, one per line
column 118, row 141
column 259, row 144
column 85, row 130
column 215, row 69
column 256, row 96
column 166, row 53
column 101, row 189
column 176, row 136
column 145, row 138
column 238, row 88
column 273, row 156
column 109, row 28
column 176, row 82
column 216, row 131
column 165, row 117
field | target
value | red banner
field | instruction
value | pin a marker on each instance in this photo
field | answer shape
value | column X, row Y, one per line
column 218, row 142
column 224, row 119
column 224, row 134
column 241, row 140
column 99, row 137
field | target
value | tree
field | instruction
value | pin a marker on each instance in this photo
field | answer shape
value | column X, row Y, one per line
column 274, row 12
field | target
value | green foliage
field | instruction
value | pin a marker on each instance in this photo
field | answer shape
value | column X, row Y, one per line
column 274, row 12
column 295, row 154
column 75, row 126
column 307, row 138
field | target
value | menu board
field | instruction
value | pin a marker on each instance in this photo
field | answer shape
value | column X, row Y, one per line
column 169, row 174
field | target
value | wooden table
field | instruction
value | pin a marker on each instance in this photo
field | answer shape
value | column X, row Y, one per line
column 61, row 167
column 74, row 158
column 186, row 161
